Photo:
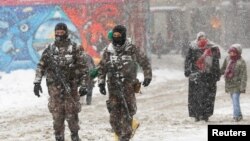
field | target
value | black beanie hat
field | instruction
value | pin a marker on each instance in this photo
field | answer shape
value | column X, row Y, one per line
column 61, row 26
column 121, row 29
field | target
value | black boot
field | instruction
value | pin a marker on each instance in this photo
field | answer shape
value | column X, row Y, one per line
column 75, row 136
column 122, row 139
column 59, row 137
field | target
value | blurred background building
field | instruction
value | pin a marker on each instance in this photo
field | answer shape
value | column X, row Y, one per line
column 224, row 21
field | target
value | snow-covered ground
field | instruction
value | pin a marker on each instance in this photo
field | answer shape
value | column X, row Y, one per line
column 162, row 108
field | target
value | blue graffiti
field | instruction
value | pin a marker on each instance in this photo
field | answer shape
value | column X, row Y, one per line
column 24, row 31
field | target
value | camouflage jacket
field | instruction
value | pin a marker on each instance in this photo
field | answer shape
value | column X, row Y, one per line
column 69, row 59
column 125, row 62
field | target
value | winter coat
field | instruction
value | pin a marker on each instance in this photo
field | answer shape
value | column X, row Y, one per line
column 194, row 53
column 238, row 83
column 202, row 85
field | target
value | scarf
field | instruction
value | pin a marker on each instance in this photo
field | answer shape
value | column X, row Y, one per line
column 200, row 63
column 230, row 70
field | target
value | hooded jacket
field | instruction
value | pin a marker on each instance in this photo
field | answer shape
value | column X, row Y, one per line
column 236, row 84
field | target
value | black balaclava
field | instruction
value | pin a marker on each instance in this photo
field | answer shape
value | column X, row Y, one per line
column 61, row 26
column 119, row 41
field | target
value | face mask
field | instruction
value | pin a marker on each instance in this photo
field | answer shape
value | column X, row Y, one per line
column 61, row 37
column 118, row 41
column 202, row 43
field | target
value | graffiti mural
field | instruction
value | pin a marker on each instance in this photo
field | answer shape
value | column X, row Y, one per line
column 93, row 22
column 25, row 30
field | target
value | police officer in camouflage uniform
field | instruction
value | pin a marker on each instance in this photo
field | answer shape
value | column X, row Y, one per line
column 119, row 64
column 68, row 58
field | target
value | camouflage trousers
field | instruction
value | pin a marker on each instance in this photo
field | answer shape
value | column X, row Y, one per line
column 119, row 120
column 63, row 108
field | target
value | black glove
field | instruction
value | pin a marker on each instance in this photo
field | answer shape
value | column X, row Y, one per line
column 102, row 89
column 146, row 82
column 37, row 88
column 83, row 91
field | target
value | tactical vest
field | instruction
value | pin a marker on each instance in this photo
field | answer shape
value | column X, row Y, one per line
column 65, row 58
column 124, row 62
